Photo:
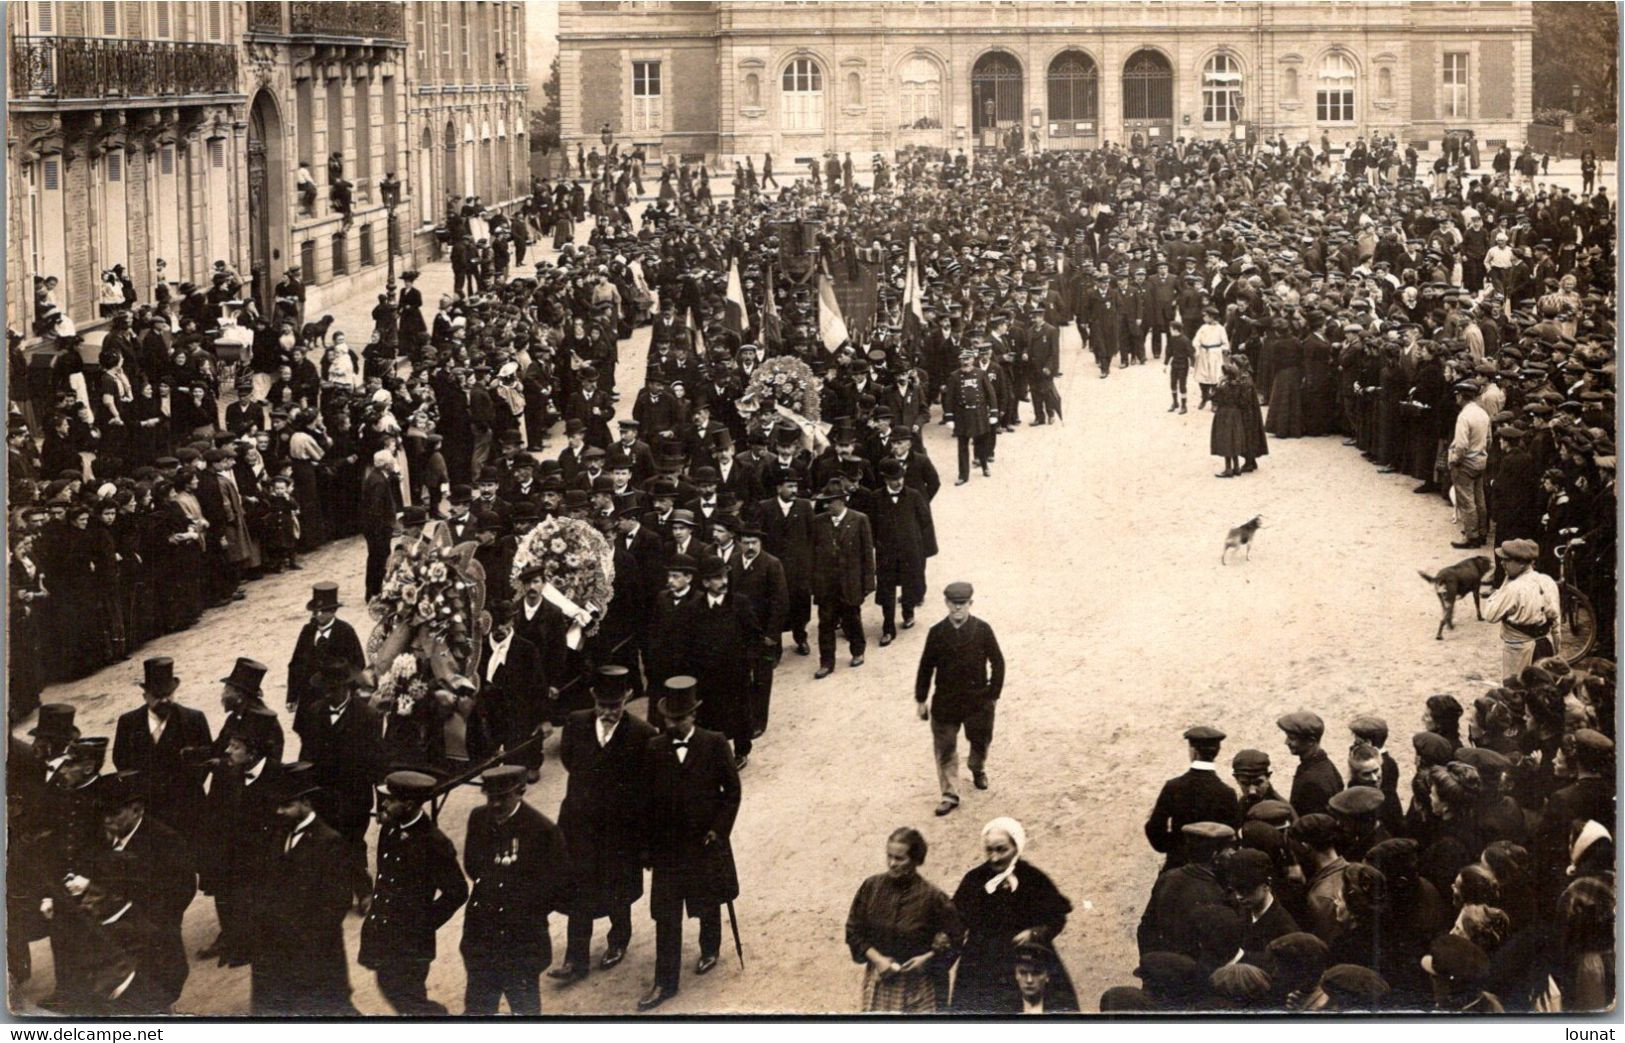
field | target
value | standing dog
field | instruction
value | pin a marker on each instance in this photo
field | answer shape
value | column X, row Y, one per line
column 1457, row 581
column 1241, row 536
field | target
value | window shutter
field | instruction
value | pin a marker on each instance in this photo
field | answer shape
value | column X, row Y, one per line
column 216, row 14
column 109, row 18
column 162, row 19
column 44, row 18
column 217, row 152
column 53, row 174
column 166, row 160
column 115, row 166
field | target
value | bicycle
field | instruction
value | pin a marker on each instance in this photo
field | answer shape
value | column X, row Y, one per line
column 1575, row 633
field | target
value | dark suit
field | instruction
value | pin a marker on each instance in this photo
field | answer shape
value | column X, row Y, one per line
column 521, row 874
column 174, row 788
column 904, row 537
column 1196, row 796
column 969, row 671
column 843, row 578
column 1314, row 784
column 300, row 967
column 788, row 536
column 719, row 651
column 379, row 503
column 762, row 584
column 1165, row 924
column 236, row 851
column 604, row 821
column 155, row 871
column 419, row 886
column 513, row 702
column 690, row 800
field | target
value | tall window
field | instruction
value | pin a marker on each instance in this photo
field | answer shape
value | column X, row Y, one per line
column 1221, row 90
column 1455, row 85
column 1148, row 87
column 648, row 111
column 1334, row 93
column 920, row 93
column 109, row 18
column 216, row 24
column 363, row 138
column 801, row 94
column 1074, row 92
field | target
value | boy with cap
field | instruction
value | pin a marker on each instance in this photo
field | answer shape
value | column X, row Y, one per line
column 963, row 655
column 1251, row 770
column 516, row 858
column 1316, row 779
column 418, row 888
column 1196, row 796
column 1323, row 866
column 1526, row 605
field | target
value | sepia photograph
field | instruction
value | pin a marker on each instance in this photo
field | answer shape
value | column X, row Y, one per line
column 505, row 514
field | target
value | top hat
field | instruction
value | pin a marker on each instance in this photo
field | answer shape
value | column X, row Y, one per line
column 116, row 789
column 324, row 597
column 333, row 673
column 610, row 686
column 55, row 722
column 158, row 675
column 246, row 675
column 679, row 700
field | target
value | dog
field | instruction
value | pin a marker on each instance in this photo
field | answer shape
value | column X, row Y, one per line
column 1463, row 578
column 316, row 332
column 1241, row 536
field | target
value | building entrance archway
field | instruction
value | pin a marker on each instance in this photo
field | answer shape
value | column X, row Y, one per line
column 267, row 199
column 1148, row 97
column 996, row 93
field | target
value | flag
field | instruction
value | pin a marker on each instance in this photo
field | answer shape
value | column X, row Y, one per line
column 913, row 313
column 737, row 315
column 831, row 326
column 770, row 338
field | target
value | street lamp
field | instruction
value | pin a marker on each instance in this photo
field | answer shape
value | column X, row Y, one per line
column 390, row 189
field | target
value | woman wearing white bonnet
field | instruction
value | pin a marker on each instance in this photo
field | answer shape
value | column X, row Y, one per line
column 1005, row 903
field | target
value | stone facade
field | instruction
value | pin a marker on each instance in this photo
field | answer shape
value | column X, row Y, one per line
column 124, row 145
column 799, row 79
column 468, row 108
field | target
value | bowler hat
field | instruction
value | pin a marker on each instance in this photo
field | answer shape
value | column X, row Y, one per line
column 712, row 566
column 334, row 672
column 246, row 675
column 257, row 729
column 55, row 722
column 681, row 563
column 679, row 700
column 295, row 781
column 158, row 675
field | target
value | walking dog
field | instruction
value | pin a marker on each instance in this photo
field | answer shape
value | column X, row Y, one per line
column 1241, row 536
column 1463, row 578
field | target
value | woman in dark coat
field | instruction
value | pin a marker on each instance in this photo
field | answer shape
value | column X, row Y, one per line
column 1252, row 416
column 1286, row 418
column 1004, row 904
column 180, row 587
column 411, row 331
column 1229, row 434
column 27, row 673
column 901, row 928
column 1319, row 387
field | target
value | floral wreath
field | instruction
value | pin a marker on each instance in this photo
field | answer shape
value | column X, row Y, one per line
column 576, row 561
column 430, row 617
column 787, row 381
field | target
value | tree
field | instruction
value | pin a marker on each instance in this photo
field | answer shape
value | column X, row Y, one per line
column 544, row 122
column 1575, row 45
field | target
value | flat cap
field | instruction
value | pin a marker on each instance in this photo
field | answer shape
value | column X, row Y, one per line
column 1203, row 733
column 1372, row 729
column 1245, row 868
column 409, row 785
column 958, row 592
column 1276, row 813
column 1211, row 831
column 1518, row 550
column 1483, row 759
column 1351, row 985
column 1250, row 764
column 1455, row 959
column 1302, row 723
column 1316, row 830
column 1357, row 800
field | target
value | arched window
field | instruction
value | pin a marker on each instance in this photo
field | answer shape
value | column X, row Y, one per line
column 753, row 90
column 1148, row 87
column 919, row 90
column 854, row 88
column 1221, row 90
column 1289, row 84
column 801, row 95
column 1074, row 91
column 1334, row 89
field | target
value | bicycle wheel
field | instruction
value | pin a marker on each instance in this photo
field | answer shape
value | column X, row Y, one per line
column 1578, row 626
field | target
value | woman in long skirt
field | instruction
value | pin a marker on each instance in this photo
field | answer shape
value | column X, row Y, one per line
column 1252, row 416
column 1005, row 903
column 1286, row 418
column 1319, row 387
column 1229, row 435
column 901, row 928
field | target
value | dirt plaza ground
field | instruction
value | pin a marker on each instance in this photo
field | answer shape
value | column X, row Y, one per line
column 1094, row 549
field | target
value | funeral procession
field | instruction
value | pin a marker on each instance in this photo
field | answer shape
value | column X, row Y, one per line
column 710, row 509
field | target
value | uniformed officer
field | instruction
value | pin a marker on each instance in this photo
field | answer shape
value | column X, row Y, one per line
column 968, row 398
column 1316, row 779
column 418, row 888
column 516, row 857
column 1196, row 796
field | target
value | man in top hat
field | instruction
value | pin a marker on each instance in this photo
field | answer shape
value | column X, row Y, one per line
column 324, row 637
column 241, row 823
column 605, row 752
column 694, row 797
column 718, row 634
column 240, row 696
column 151, row 740
column 513, row 697
column 843, row 575
column 1526, row 605
column 1317, row 779
column 905, row 536
column 516, row 858
column 786, row 521
column 418, row 887
column 299, row 963
column 963, row 655
column 1199, row 795
column 341, row 738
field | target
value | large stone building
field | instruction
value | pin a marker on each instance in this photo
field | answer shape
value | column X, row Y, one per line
column 124, row 145
column 797, row 79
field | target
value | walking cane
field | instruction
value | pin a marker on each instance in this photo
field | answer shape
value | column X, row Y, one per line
column 739, row 947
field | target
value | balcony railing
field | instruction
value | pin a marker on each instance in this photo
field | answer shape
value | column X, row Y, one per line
column 378, row 21
column 73, row 67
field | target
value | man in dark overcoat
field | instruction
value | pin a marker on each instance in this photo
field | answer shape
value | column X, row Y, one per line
column 786, row 522
column 971, row 400
column 241, row 825
column 418, row 887
column 759, row 580
column 605, row 750
column 963, row 656
column 1196, row 796
column 516, row 858
column 512, row 698
column 694, row 798
column 380, row 504
column 719, row 634
column 324, row 637
column 151, row 739
column 300, row 966
column 843, row 575
column 341, row 738
column 905, row 536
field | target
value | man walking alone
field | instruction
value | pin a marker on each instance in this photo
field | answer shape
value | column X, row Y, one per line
column 963, row 654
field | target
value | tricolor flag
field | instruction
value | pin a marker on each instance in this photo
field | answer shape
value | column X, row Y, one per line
column 737, row 316
column 831, row 325
column 770, row 338
column 913, row 313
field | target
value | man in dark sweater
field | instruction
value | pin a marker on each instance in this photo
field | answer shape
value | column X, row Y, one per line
column 1316, row 781
column 964, row 655
column 1196, row 796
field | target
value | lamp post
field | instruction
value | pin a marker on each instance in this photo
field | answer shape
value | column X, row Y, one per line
column 390, row 190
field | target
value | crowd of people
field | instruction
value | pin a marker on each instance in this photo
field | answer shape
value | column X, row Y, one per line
column 210, row 443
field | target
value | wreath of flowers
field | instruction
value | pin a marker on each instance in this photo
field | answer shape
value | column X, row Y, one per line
column 787, row 381
column 435, row 591
column 576, row 560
